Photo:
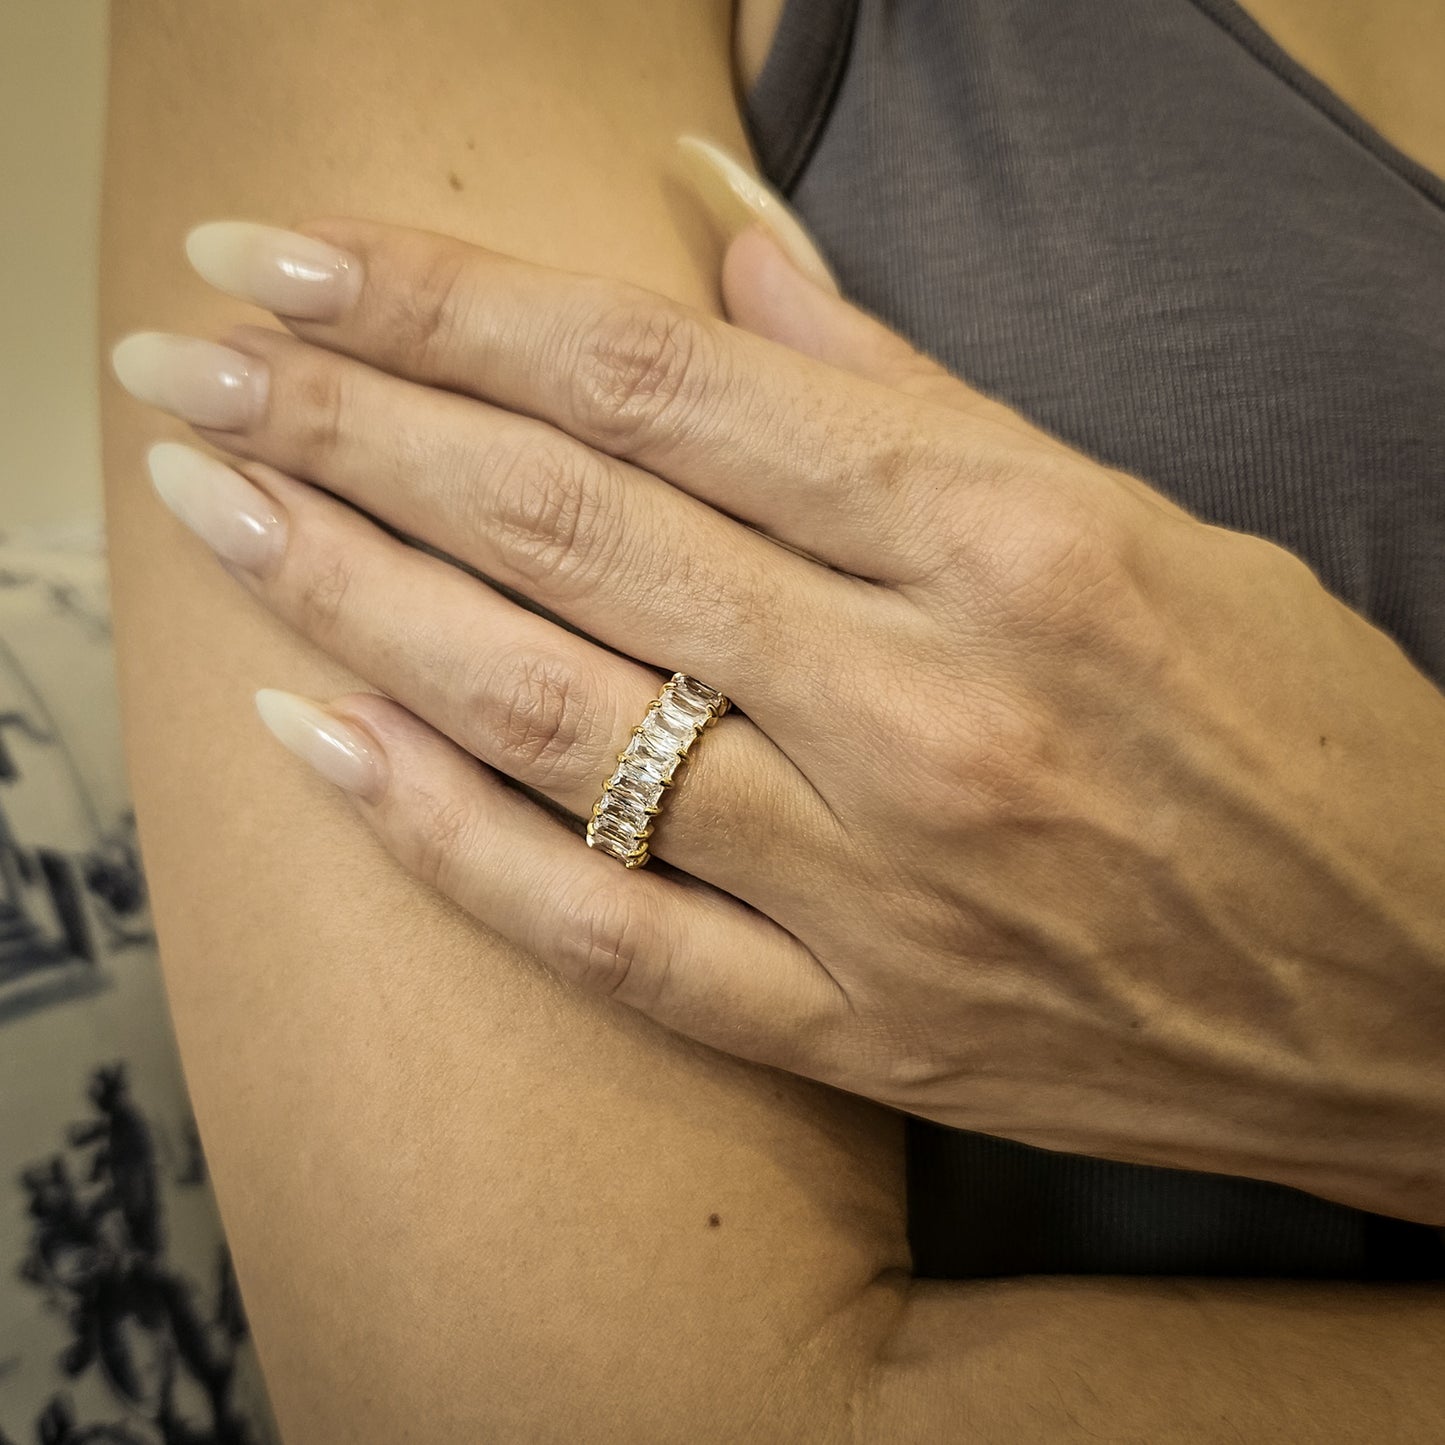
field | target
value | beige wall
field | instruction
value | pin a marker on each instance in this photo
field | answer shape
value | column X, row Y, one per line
column 52, row 91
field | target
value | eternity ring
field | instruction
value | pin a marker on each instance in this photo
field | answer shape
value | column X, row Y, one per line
column 621, row 821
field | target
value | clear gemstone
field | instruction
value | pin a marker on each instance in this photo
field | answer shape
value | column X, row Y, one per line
column 615, row 831
column 682, row 727
column 648, row 792
column 675, row 705
column 646, row 748
column 691, row 707
column 651, row 738
column 677, row 720
column 623, row 814
column 626, row 813
column 697, row 693
column 638, row 792
column 679, row 736
column 645, row 765
column 664, row 735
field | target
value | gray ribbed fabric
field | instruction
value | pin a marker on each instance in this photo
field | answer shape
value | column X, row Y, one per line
column 1144, row 226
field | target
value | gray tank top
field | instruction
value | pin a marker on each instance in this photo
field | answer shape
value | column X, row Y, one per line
column 1144, row 226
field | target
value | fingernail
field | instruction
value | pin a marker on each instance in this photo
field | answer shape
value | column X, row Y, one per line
column 736, row 198
column 284, row 272
column 198, row 381
column 236, row 520
column 340, row 753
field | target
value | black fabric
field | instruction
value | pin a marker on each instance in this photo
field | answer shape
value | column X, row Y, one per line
column 1154, row 234
column 790, row 100
column 984, row 1206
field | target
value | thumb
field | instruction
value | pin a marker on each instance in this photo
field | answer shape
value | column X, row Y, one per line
column 766, row 290
column 775, row 283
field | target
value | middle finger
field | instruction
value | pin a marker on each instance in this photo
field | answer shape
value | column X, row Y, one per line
column 613, row 549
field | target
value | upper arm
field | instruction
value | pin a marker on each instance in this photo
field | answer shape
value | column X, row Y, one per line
column 465, row 1201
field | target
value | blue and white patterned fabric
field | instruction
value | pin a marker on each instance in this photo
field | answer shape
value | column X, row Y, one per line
column 120, row 1320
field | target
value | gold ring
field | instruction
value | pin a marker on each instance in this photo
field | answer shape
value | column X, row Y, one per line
column 621, row 821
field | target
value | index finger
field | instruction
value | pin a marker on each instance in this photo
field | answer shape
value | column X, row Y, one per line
column 811, row 454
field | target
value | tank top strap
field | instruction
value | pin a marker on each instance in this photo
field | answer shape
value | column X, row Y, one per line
column 1230, row 17
column 789, row 102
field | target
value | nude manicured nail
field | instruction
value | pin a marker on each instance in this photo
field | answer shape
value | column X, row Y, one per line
column 340, row 753
column 287, row 273
column 736, row 198
column 198, row 381
column 236, row 520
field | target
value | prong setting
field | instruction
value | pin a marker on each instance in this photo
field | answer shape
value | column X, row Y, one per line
column 621, row 822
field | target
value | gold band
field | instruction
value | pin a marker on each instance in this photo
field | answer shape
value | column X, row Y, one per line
column 621, row 821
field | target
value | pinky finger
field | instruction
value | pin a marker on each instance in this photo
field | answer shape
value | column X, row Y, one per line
column 689, row 956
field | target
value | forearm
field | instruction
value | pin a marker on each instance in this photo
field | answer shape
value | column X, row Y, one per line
column 1378, row 946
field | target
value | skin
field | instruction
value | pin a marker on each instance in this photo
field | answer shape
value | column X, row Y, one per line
column 1103, row 827
column 331, row 1002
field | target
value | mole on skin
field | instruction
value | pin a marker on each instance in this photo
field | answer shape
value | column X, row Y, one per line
column 713, row 1221
column 454, row 180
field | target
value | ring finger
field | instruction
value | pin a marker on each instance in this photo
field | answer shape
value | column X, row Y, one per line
column 548, row 708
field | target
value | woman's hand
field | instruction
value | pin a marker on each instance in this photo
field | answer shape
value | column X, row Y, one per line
column 1045, row 809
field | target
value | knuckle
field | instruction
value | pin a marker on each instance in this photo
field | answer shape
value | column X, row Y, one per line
column 319, row 400
column 603, row 942
column 1057, row 566
column 895, row 444
column 897, row 469
column 554, row 515
column 893, row 457
column 427, row 311
column 641, row 372
column 1003, row 769
column 321, row 595
column 988, row 763
column 539, row 719
column 1258, row 557
column 436, row 844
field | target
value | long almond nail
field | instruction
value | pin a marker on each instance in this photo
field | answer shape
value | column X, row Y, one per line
column 290, row 274
column 198, row 381
column 339, row 752
column 736, row 199
column 236, row 520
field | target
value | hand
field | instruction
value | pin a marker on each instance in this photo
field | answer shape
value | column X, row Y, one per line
column 1045, row 809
